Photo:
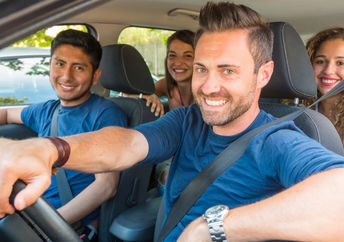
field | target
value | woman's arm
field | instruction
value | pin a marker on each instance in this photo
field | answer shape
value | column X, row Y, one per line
column 153, row 100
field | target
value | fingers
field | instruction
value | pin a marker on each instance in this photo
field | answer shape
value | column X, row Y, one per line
column 156, row 106
column 24, row 160
column 31, row 192
column 5, row 206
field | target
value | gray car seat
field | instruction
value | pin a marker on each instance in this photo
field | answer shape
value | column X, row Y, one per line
column 293, row 77
column 124, row 70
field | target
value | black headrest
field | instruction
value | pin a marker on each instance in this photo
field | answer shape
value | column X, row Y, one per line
column 293, row 74
column 124, row 70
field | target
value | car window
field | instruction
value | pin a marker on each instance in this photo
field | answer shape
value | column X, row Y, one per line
column 24, row 68
column 151, row 43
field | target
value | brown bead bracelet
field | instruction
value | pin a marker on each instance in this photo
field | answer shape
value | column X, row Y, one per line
column 63, row 150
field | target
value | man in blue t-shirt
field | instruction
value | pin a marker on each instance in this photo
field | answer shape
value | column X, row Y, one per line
column 285, row 186
column 75, row 58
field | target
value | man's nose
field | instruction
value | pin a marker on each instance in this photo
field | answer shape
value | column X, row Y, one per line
column 211, row 85
column 67, row 73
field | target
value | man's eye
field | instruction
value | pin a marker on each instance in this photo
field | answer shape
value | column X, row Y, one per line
column 59, row 63
column 201, row 70
column 78, row 68
column 228, row 71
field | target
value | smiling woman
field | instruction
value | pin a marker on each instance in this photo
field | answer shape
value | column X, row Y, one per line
column 326, row 51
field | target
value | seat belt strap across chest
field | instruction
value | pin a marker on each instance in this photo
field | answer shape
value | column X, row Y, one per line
column 65, row 192
column 194, row 190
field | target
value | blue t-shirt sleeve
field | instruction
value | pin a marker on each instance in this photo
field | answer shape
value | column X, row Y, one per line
column 111, row 116
column 163, row 135
column 36, row 115
column 292, row 157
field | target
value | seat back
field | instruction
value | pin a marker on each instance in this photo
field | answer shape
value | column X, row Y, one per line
column 124, row 70
column 293, row 77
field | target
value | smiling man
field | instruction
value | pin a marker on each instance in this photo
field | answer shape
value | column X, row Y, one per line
column 74, row 63
column 285, row 186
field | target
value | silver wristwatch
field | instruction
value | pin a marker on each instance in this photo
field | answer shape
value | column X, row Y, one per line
column 214, row 216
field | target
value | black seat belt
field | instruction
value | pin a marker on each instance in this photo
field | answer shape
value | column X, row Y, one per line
column 65, row 192
column 194, row 190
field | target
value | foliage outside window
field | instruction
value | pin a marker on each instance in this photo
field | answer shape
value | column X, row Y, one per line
column 151, row 43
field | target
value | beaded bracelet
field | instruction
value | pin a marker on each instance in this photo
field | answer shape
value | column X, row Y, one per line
column 63, row 150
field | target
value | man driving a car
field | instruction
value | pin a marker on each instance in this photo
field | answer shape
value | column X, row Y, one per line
column 74, row 68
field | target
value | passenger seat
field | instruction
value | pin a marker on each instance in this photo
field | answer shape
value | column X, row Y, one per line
column 124, row 70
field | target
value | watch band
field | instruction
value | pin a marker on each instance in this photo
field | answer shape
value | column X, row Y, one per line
column 214, row 217
column 217, row 232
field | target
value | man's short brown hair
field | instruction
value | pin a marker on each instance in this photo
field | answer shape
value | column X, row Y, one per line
column 225, row 16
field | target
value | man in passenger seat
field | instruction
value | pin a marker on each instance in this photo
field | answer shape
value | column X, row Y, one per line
column 74, row 63
column 285, row 186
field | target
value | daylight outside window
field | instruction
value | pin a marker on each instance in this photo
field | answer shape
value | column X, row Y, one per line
column 151, row 43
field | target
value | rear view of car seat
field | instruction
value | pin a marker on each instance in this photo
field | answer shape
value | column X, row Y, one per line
column 124, row 70
column 293, row 77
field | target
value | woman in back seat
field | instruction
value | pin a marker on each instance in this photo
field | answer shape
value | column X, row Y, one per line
column 326, row 52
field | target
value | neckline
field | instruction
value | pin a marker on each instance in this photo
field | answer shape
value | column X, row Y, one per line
column 180, row 96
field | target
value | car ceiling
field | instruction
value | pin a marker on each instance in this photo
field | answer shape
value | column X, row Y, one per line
column 307, row 16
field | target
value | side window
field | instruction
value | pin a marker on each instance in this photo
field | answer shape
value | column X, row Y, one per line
column 24, row 68
column 151, row 43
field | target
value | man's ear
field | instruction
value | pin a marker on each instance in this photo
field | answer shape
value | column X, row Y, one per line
column 264, row 74
column 96, row 76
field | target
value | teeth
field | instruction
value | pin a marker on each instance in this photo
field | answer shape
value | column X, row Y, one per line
column 215, row 102
column 179, row 70
column 66, row 87
column 328, row 81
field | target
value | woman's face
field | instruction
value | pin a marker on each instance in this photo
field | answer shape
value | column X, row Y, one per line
column 179, row 60
column 328, row 64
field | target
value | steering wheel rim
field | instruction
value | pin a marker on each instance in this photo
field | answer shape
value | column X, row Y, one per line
column 45, row 216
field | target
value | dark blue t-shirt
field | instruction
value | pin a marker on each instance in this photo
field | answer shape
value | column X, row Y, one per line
column 94, row 114
column 277, row 158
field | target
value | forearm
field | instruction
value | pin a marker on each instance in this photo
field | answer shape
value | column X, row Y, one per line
column 108, row 149
column 104, row 187
column 10, row 115
column 312, row 210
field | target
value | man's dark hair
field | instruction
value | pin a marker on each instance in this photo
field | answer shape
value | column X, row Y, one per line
column 225, row 16
column 85, row 41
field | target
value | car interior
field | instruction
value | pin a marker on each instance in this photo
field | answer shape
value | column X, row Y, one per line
column 133, row 213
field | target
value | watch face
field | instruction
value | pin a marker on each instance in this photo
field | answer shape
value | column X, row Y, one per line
column 218, row 210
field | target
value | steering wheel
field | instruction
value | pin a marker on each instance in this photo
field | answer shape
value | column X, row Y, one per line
column 39, row 220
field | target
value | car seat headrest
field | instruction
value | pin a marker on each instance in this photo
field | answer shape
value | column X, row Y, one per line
column 124, row 70
column 293, row 74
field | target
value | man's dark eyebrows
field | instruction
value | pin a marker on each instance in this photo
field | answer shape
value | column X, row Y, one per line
column 79, row 64
column 58, row 59
column 226, row 65
column 198, row 64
